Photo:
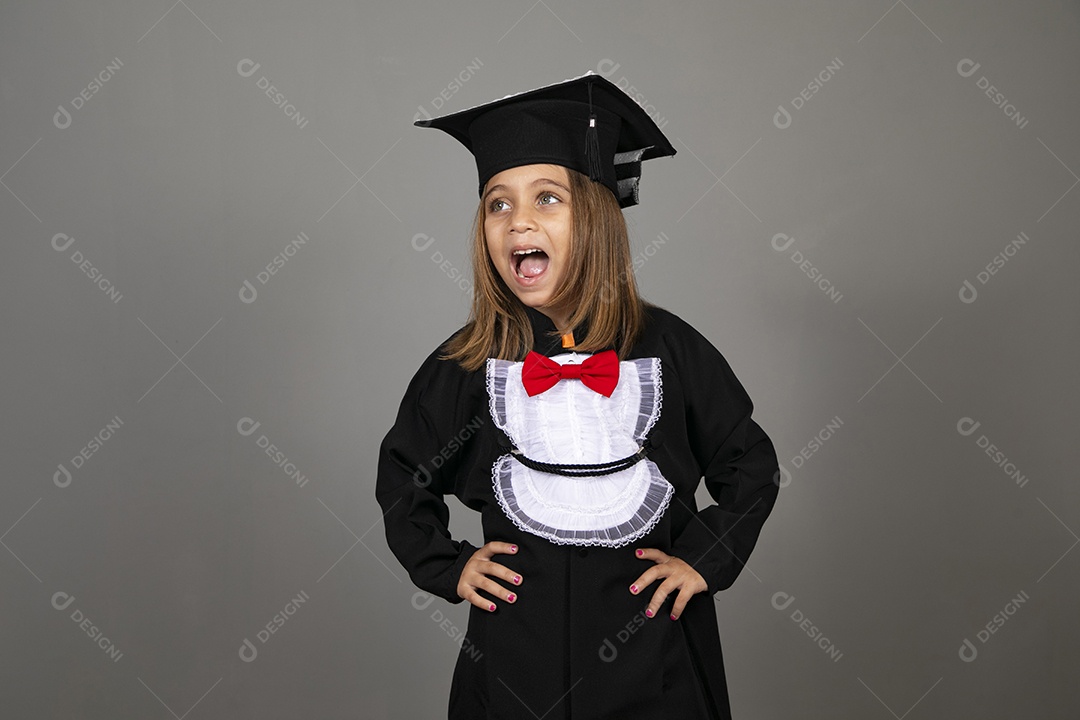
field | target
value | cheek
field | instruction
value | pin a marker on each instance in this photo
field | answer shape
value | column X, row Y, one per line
column 490, row 245
column 495, row 257
column 560, row 238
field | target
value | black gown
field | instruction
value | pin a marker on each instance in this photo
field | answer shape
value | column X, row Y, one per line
column 576, row 643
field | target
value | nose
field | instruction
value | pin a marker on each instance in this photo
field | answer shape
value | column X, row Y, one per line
column 522, row 218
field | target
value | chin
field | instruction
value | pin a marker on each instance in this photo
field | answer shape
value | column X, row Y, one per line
column 533, row 300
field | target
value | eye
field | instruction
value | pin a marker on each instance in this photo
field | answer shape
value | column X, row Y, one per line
column 494, row 207
column 554, row 198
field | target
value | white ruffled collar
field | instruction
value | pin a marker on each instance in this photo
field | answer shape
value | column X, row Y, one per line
column 572, row 424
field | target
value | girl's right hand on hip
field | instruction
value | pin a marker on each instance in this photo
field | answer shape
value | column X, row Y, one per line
column 479, row 571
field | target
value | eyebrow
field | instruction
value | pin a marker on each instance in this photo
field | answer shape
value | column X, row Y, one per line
column 534, row 183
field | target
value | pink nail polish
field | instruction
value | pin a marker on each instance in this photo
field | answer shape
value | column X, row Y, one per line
column 491, row 608
column 649, row 613
column 513, row 548
column 640, row 553
column 517, row 579
column 633, row 588
column 673, row 617
column 511, row 597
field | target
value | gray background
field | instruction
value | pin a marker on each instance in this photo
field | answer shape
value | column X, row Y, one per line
column 179, row 538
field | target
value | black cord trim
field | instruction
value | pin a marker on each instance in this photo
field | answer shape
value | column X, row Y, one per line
column 584, row 470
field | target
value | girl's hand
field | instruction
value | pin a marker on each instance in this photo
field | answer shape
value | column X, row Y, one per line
column 474, row 576
column 679, row 576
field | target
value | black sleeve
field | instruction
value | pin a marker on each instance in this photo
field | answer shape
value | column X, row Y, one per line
column 418, row 460
column 737, row 461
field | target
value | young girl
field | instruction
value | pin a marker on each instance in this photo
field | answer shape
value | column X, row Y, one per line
column 578, row 419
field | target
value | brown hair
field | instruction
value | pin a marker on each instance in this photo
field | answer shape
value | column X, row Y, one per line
column 599, row 284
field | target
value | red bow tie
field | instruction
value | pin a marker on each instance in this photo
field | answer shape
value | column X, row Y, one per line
column 599, row 372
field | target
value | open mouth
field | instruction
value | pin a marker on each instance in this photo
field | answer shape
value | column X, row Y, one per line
column 530, row 263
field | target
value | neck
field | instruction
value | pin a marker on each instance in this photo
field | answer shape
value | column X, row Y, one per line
column 561, row 320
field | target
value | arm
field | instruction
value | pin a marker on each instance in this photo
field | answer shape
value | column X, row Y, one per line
column 418, row 461
column 737, row 460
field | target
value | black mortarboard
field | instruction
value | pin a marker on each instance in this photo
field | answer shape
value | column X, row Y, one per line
column 586, row 123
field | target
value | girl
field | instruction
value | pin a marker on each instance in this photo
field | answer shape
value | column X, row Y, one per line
column 578, row 419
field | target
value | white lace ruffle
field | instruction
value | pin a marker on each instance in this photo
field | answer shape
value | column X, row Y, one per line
column 572, row 424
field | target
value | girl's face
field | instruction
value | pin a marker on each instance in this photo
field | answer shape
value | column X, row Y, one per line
column 527, row 227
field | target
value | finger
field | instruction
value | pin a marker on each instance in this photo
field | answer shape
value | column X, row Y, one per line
column 467, row 585
column 659, row 570
column 655, row 554
column 497, row 591
column 658, row 598
column 644, row 580
column 503, row 547
column 475, row 581
column 492, row 588
column 680, row 602
column 497, row 569
column 495, row 547
column 481, row 602
column 512, row 577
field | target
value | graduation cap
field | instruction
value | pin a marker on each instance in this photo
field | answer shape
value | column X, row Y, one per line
column 586, row 123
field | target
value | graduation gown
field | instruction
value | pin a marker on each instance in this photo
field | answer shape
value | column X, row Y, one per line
column 576, row 644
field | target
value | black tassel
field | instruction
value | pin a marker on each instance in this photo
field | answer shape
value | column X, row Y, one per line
column 592, row 145
column 592, row 151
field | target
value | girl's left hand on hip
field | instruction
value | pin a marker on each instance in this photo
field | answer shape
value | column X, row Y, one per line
column 678, row 575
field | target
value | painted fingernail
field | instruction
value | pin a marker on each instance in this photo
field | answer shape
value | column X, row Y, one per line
column 512, row 596
column 633, row 588
column 649, row 613
column 513, row 548
column 640, row 553
column 673, row 617
column 491, row 608
column 517, row 579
